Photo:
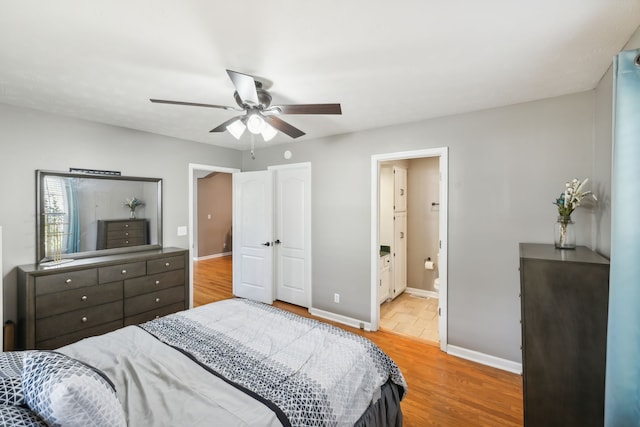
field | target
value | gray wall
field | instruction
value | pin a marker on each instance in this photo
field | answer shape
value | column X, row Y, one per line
column 506, row 167
column 34, row 140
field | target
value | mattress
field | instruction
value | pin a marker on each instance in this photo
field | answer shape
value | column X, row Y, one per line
column 243, row 363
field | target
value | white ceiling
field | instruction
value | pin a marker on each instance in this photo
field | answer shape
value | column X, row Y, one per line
column 385, row 62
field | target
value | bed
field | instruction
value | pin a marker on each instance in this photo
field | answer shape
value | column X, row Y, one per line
column 231, row 363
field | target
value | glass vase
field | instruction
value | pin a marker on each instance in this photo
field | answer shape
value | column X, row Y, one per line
column 132, row 214
column 565, row 233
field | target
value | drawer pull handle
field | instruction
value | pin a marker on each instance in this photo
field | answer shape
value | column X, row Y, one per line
column 67, row 281
column 157, row 282
column 126, row 226
column 84, row 320
column 167, row 264
column 126, row 242
column 84, row 298
column 124, row 271
column 157, row 299
column 157, row 317
column 126, row 234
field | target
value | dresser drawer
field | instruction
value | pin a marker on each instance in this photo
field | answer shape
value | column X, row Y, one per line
column 153, row 282
column 126, row 225
column 58, row 282
column 153, row 314
column 75, row 299
column 124, row 242
column 114, row 273
column 165, row 264
column 77, row 320
column 59, row 341
column 125, row 234
column 153, row 300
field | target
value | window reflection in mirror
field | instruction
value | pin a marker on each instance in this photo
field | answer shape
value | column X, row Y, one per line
column 71, row 205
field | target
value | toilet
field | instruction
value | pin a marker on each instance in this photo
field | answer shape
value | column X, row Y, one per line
column 436, row 281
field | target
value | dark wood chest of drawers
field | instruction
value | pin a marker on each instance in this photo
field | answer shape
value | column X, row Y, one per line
column 58, row 306
column 564, row 298
column 121, row 233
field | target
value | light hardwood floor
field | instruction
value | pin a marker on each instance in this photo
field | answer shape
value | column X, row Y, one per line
column 443, row 390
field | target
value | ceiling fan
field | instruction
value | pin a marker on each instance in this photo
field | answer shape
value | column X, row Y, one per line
column 259, row 116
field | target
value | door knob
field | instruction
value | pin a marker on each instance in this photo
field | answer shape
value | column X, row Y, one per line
column 266, row 244
column 277, row 242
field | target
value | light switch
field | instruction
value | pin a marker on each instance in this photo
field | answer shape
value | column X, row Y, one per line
column 182, row 230
column 208, row 216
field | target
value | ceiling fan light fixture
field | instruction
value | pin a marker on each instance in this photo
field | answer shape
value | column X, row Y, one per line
column 236, row 128
column 255, row 124
column 268, row 132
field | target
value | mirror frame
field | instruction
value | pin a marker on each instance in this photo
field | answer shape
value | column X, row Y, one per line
column 41, row 256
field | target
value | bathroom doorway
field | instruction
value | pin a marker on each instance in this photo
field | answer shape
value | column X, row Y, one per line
column 409, row 204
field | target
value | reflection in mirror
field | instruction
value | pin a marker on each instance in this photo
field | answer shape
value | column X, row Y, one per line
column 81, row 215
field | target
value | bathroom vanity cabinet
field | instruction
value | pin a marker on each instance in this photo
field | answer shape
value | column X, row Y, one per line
column 564, row 302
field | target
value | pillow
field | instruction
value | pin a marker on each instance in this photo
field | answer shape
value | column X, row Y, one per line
column 11, row 378
column 18, row 416
column 66, row 392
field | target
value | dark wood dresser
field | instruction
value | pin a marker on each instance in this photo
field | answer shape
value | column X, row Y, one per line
column 121, row 233
column 92, row 296
column 564, row 301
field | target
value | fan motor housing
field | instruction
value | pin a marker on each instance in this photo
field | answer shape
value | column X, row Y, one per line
column 264, row 99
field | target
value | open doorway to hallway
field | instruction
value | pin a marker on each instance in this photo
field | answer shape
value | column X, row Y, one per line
column 210, row 223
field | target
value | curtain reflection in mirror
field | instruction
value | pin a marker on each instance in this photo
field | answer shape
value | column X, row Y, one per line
column 62, row 227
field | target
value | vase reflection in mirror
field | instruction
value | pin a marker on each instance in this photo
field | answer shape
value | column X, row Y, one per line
column 564, row 233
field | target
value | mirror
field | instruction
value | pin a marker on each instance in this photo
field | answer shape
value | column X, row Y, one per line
column 81, row 215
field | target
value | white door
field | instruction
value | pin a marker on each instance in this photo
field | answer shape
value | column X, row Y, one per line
column 399, row 250
column 293, row 234
column 252, row 235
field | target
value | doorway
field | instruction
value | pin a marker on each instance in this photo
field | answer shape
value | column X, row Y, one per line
column 429, row 242
column 198, row 171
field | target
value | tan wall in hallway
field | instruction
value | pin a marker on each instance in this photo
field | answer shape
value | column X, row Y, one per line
column 214, row 198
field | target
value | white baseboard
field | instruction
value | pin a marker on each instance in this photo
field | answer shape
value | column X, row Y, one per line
column 349, row 321
column 485, row 359
column 422, row 293
column 212, row 256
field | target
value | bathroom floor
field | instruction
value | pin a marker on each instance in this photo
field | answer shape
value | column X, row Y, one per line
column 411, row 315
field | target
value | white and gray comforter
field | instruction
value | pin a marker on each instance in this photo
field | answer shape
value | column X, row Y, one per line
column 255, row 365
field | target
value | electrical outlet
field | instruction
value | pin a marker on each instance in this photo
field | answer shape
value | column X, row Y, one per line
column 336, row 298
column 182, row 230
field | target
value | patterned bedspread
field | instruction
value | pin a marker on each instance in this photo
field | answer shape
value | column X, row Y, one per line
column 315, row 374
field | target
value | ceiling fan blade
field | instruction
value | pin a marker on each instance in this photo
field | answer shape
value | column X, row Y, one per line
column 309, row 109
column 283, row 126
column 193, row 104
column 223, row 127
column 245, row 86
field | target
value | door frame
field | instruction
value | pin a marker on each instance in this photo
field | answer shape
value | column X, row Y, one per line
column 376, row 160
column 193, row 168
